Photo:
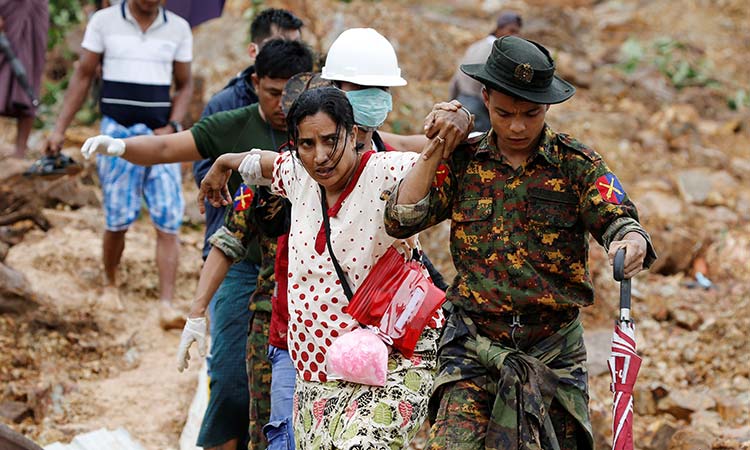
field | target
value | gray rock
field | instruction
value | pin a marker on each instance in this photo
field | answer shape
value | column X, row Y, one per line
column 598, row 349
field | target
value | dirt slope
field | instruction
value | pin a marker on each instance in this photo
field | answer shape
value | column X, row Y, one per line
column 680, row 151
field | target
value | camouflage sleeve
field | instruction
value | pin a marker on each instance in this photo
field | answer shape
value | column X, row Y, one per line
column 606, row 210
column 403, row 221
column 234, row 238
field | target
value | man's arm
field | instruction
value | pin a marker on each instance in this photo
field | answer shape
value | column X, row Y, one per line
column 183, row 81
column 196, row 329
column 257, row 167
column 212, row 274
column 411, row 143
column 146, row 150
column 78, row 87
column 447, row 119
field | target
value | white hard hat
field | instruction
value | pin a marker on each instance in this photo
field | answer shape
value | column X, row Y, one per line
column 363, row 56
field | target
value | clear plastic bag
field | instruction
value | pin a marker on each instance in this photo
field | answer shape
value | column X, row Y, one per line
column 359, row 356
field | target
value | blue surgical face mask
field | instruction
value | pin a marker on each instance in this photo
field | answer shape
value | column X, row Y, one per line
column 371, row 106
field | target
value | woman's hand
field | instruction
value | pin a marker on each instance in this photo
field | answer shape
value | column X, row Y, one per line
column 449, row 124
column 214, row 187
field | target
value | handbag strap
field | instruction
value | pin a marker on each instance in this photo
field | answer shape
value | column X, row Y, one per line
column 327, row 225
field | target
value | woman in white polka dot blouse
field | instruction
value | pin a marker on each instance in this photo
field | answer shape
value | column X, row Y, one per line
column 336, row 414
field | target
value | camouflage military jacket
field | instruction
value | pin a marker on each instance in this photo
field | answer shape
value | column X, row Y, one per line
column 519, row 236
column 234, row 239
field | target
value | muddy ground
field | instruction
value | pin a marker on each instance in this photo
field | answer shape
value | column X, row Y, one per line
column 655, row 79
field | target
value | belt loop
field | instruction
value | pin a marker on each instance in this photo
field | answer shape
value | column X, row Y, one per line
column 515, row 325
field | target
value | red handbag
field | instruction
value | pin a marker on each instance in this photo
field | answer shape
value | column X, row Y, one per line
column 395, row 297
column 398, row 299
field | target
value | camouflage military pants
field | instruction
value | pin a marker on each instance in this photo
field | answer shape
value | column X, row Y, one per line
column 464, row 413
column 259, row 379
column 515, row 391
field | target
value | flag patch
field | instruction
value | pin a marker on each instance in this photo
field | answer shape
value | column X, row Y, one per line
column 440, row 175
column 610, row 189
column 243, row 198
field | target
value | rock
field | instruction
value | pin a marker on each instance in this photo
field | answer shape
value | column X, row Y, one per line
column 653, row 141
column 740, row 167
column 707, row 157
column 741, row 383
column 4, row 247
column 681, row 403
column 652, row 85
column 716, row 219
column 598, row 349
column 658, row 204
column 743, row 205
column 709, row 421
column 16, row 295
column 11, row 168
column 701, row 186
column 192, row 215
column 659, row 433
column 676, row 246
column 644, row 403
column 741, row 434
column 727, row 256
column 11, row 440
column 690, row 439
column 676, row 122
column 14, row 411
column 70, row 191
column 730, row 408
column 601, row 424
column 686, row 318
column 575, row 68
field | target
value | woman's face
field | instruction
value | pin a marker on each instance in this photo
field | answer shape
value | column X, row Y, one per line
column 315, row 147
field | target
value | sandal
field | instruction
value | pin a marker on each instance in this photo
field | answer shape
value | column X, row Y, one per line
column 59, row 164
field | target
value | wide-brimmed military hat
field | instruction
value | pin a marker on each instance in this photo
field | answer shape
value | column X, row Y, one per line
column 298, row 84
column 522, row 69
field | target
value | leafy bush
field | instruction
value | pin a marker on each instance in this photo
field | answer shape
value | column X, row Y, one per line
column 63, row 15
column 682, row 64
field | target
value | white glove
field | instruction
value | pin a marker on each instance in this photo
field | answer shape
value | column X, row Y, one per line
column 194, row 331
column 104, row 144
column 251, row 171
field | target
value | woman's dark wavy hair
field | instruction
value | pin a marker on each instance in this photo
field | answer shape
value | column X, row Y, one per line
column 329, row 100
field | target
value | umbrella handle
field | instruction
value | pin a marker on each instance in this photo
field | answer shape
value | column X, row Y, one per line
column 619, row 275
column 619, row 264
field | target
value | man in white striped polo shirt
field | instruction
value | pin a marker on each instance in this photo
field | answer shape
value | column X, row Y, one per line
column 143, row 48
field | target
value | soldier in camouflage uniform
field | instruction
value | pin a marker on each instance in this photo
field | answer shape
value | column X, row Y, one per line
column 234, row 239
column 522, row 199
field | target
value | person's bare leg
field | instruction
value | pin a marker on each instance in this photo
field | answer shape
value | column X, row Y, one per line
column 167, row 254
column 228, row 445
column 113, row 245
column 24, row 125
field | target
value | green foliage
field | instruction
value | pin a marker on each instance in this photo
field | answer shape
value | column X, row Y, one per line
column 675, row 60
column 631, row 55
column 256, row 6
column 682, row 65
column 63, row 15
column 740, row 100
column 53, row 93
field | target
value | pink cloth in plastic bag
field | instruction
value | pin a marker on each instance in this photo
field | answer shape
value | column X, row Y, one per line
column 359, row 356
